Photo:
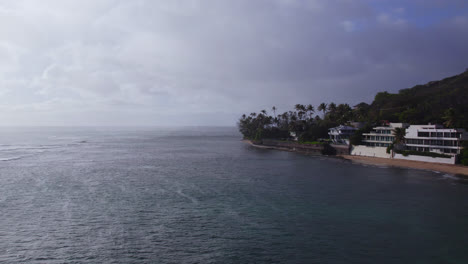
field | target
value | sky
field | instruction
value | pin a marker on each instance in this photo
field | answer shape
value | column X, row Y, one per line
column 206, row 62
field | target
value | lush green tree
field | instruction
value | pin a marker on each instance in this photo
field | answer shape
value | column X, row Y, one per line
column 450, row 117
column 400, row 134
column 332, row 107
column 344, row 113
column 360, row 112
column 356, row 138
column 310, row 111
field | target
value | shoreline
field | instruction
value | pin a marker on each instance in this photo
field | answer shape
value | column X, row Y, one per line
column 445, row 168
column 459, row 170
column 274, row 147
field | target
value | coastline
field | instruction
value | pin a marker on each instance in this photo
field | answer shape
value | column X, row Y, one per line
column 266, row 147
column 445, row 168
column 296, row 148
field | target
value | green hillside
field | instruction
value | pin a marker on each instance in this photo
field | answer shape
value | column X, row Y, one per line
column 443, row 102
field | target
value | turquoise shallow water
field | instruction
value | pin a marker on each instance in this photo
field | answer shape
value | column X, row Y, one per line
column 199, row 195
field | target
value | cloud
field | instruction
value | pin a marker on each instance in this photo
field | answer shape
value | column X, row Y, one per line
column 348, row 26
column 205, row 62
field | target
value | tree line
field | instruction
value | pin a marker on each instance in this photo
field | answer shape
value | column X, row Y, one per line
column 304, row 121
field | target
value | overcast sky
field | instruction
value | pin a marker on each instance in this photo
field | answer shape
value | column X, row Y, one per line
column 205, row 62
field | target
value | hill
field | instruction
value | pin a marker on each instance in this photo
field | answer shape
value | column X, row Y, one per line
column 444, row 101
column 439, row 102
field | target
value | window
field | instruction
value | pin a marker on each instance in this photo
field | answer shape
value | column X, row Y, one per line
column 423, row 134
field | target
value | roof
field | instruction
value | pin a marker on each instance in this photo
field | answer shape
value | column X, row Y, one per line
column 341, row 127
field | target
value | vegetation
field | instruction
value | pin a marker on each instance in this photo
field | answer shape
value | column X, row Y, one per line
column 399, row 133
column 389, row 148
column 301, row 122
column 356, row 138
column 444, row 101
column 464, row 154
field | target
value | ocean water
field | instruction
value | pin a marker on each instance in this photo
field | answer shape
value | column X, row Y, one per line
column 200, row 195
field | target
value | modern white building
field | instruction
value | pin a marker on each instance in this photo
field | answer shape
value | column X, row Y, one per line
column 341, row 134
column 293, row 135
column 435, row 138
column 381, row 136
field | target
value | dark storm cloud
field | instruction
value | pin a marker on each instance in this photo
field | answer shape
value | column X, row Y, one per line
column 205, row 62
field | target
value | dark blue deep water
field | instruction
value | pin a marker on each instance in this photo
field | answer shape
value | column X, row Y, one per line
column 110, row 195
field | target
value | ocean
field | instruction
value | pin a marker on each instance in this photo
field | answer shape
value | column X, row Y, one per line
column 200, row 195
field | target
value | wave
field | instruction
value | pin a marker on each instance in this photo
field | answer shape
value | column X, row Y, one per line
column 40, row 148
column 15, row 148
column 11, row 158
column 450, row 177
column 190, row 198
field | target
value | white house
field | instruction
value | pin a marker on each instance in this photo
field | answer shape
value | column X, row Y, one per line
column 435, row 138
column 293, row 135
column 381, row 136
column 341, row 134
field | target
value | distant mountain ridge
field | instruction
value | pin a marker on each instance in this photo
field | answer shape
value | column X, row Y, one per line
column 428, row 103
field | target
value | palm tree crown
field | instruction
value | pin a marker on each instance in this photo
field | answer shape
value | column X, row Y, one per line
column 399, row 134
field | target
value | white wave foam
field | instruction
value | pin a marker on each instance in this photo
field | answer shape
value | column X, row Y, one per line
column 192, row 199
column 15, row 148
column 11, row 158
column 450, row 176
column 382, row 167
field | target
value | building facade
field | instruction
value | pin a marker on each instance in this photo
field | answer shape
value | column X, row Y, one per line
column 341, row 134
column 381, row 136
column 435, row 138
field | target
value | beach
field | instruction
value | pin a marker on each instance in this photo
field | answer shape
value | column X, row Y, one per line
column 452, row 169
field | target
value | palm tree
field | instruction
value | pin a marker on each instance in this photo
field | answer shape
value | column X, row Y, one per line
column 322, row 107
column 344, row 113
column 310, row 109
column 450, row 117
column 399, row 133
column 299, row 107
column 274, row 110
column 301, row 110
column 332, row 107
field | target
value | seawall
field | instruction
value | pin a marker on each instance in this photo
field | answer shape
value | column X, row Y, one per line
column 287, row 146
column 316, row 149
